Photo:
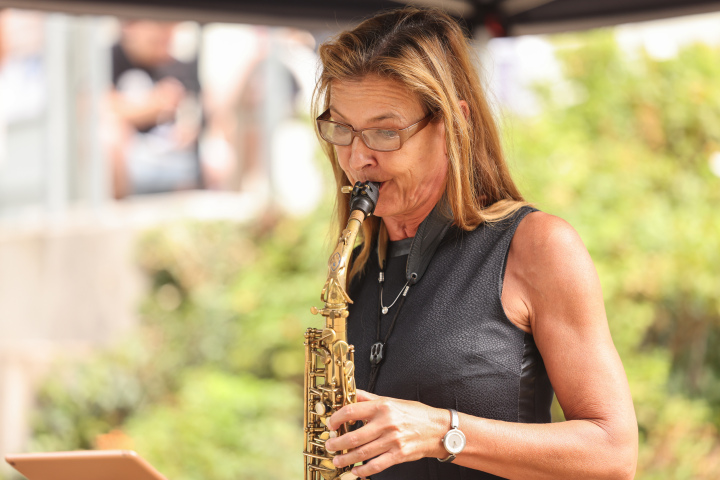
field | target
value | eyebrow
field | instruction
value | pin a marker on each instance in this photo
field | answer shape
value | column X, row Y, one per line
column 378, row 118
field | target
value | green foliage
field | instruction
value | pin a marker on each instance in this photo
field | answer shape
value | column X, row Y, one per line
column 84, row 399
column 627, row 166
column 220, row 426
column 211, row 385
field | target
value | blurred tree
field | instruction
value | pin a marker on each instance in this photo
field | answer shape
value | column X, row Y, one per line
column 212, row 385
column 621, row 151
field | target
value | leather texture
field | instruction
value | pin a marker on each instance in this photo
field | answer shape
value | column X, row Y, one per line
column 429, row 235
column 452, row 346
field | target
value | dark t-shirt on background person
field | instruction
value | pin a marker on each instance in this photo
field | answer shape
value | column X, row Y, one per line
column 155, row 159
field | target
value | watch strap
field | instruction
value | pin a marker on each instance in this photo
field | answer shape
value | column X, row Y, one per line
column 454, row 419
column 448, row 459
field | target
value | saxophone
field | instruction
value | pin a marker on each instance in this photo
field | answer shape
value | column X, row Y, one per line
column 329, row 360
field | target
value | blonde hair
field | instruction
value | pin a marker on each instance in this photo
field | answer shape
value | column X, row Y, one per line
column 426, row 51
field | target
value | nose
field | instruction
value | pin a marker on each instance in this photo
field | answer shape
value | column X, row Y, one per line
column 360, row 155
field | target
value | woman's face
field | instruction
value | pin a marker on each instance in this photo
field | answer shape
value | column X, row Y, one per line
column 412, row 178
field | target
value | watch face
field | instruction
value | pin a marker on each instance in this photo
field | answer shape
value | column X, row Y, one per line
column 454, row 441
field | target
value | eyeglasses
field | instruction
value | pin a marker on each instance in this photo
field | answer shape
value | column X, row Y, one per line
column 378, row 139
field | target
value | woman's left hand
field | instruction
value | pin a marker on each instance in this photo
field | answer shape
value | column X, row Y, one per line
column 395, row 431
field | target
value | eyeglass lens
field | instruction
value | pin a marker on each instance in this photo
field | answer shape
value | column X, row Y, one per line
column 377, row 139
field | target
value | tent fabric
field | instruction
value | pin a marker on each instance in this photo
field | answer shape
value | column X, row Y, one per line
column 501, row 17
column 563, row 15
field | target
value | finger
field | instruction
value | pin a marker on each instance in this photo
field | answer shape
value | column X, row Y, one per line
column 354, row 439
column 362, row 453
column 352, row 412
column 376, row 465
column 363, row 396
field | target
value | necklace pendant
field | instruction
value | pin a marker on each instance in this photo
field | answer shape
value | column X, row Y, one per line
column 384, row 310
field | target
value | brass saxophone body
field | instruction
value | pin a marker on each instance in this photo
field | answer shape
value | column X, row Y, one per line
column 329, row 359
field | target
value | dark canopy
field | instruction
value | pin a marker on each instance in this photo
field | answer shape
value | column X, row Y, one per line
column 502, row 17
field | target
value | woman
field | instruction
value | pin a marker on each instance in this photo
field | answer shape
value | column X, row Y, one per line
column 466, row 299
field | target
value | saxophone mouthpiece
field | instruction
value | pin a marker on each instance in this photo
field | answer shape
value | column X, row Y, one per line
column 364, row 197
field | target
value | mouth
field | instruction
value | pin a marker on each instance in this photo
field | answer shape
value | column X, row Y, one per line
column 380, row 184
column 376, row 182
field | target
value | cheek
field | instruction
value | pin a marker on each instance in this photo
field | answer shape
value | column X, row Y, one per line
column 438, row 168
column 343, row 158
column 441, row 169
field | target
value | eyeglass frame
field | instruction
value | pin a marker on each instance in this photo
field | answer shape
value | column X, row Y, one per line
column 403, row 133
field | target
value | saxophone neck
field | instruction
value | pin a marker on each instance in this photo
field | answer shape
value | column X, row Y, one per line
column 347, row 241
column 334, row 293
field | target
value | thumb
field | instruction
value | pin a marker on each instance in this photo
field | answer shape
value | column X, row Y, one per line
column 363, row 396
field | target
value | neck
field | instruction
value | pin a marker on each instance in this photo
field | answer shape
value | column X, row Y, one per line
column 406, row 226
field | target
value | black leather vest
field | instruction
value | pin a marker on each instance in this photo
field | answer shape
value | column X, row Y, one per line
column 452, row 345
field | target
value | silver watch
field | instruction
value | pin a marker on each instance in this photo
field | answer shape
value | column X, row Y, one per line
column 454, row 440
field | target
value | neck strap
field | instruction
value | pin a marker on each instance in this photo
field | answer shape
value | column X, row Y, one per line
column 426, row 241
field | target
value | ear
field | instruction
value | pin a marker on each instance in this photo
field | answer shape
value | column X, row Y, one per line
column 465, row 109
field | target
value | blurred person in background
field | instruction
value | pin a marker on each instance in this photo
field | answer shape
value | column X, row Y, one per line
column 257, row 140
column 157, row 110
column 23, row 87
column 2, row 115
column 275, row 147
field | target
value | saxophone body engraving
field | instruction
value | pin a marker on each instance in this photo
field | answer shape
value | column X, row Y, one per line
column 329, row 359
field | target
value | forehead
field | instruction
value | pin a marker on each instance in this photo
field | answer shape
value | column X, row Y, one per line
column 373, row 98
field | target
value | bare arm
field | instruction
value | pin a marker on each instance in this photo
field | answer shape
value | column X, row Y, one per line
column 160, row 105
column 551, row 289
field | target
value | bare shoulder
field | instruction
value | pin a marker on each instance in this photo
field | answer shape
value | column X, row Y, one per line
column 542, row 233
column 548, row 269
column 547, row 245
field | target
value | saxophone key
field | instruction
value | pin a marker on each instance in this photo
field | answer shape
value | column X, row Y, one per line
column 331, row 434
column 321, row 408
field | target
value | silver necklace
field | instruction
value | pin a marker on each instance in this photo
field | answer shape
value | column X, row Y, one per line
column 403, row 292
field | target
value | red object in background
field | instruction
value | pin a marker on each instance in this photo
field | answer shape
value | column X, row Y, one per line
column 495, row 26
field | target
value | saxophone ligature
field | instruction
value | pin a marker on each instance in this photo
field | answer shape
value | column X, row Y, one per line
column 329, row 359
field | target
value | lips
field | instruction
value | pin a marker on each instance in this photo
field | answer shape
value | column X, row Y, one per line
column 380, row 184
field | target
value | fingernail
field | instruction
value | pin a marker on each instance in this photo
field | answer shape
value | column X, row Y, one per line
column 336, row 462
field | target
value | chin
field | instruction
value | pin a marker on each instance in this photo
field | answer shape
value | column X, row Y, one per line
column 379, row 211
column 383, row 211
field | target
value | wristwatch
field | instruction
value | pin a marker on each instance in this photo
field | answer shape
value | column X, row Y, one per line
column 454, row 440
